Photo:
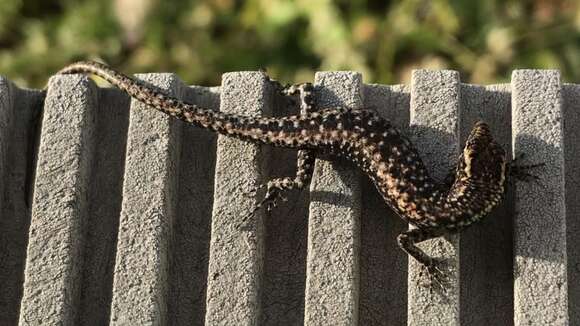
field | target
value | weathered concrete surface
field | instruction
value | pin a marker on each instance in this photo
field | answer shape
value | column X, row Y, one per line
column 237, row 253
column 107, row 250
column 540, row 288
column 284, row 281
column 6, row 126
column 10, row 293
column 332, row 279
column 434, row 126
column 486, row 257
column 571, row 119
column 192, row 223
column 59, row 212
column 20, row 114
column 140, row 285
column 105, row 192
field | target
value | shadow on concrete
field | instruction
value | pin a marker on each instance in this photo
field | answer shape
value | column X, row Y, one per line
column 192, row 223
column 25, row 108
column 100, row 247
column 284, row 281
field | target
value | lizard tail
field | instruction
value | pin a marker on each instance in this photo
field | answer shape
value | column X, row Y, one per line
column 244, row 127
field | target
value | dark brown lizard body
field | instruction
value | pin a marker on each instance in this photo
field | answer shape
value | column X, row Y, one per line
column 371, row 143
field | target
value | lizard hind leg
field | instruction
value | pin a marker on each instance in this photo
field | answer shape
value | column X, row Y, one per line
column 432, row 266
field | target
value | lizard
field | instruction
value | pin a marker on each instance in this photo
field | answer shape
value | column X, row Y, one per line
column 471, row 191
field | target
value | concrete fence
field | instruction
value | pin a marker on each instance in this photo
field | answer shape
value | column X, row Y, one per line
column 115, row 214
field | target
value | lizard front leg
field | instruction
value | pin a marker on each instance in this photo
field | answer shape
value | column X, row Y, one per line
column 276, row 187
column 305, row 158
column 520, row 172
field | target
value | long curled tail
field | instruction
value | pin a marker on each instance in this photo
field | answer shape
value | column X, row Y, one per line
column 228, row 124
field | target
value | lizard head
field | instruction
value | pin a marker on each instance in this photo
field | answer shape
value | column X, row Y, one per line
column 484, row 160
column 480, row 178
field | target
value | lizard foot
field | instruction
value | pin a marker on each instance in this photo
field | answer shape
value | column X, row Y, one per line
column 520, row 172
column 271, row 198
column 270, row 201
column 252, row 191
column 436, row 273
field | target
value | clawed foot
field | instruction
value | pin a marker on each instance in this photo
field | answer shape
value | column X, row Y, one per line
column 270, row 201
column 520, row 172
column 437, row 275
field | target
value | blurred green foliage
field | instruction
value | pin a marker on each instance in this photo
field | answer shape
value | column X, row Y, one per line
column 201, row 39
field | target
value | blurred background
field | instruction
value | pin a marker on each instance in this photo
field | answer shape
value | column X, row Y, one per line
column 201, row 39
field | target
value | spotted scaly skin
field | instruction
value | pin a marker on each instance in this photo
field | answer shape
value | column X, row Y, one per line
column 367, row 140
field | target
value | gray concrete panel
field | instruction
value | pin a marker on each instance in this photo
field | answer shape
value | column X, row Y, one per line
column 140, row 286
column 20, row 114
column 6, row 125
column 59, row 211
column 332, row 279
column 435, row 102
column 106, row 186
column 236, row 254
column 130, row 217
column 540, row 288
column 192, row 223
column 571, row 118
column 286, row 237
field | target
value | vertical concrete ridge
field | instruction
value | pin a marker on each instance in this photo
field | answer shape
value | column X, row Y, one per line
column 59, row 209
column 383, row 266
column 434, row 127
column 20, row 140
column 540, row 289
column 140, row 286
column 8, row 263
column 571, row 119
column 6, row 116
column 237, row 253
column 332, row 270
